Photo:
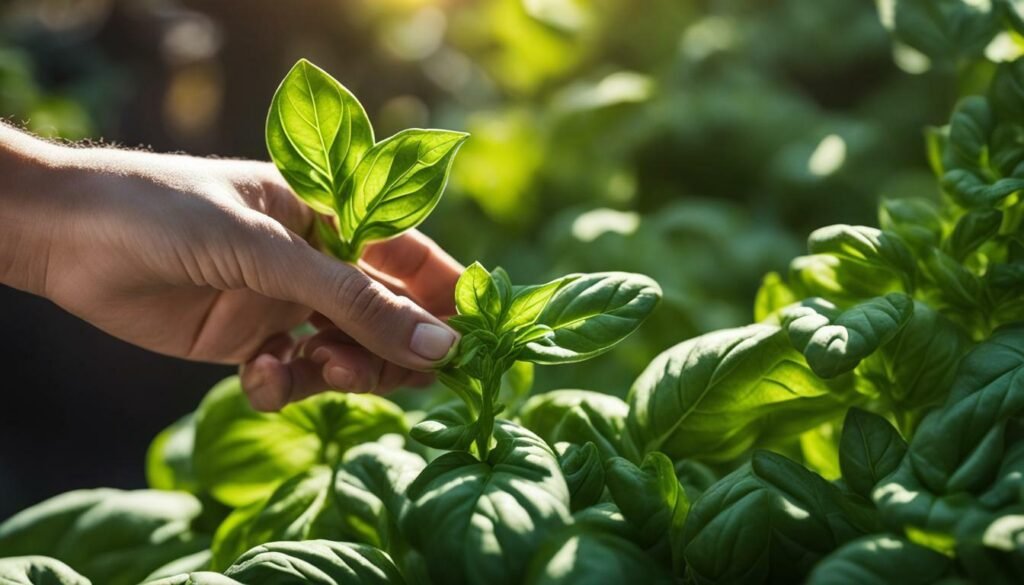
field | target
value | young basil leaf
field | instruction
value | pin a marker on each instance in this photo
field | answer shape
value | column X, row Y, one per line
column 869, row 450
column 715, row 396
column 480, row 522
column 169, row 457
column 450, row 428
column 835, row 341
column 882, row 559
column 955, row 286
column 583, row 468
column 581, row 554
column 396, row 185
column 775, row 519
column 772, row 296
column 477, row 295
column 38, row 570
column 970, row 177
column 653, row 501
column 110, row 536
column 591, row 314
column 528, row 302
column 317, row 562
column 242, row 455
column 317, row 132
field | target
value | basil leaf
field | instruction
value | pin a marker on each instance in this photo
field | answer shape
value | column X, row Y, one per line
column 577, row 416
column 242, row 455
column 169, row 458
column 591, row 314
column 480, row 522
column 653, row 501
column 317, row 562
column 772, row 296
column 869, row 450
column 717, row 395
column 835, row 341
column 767, row 522
column 477, row 295
column 449, row 427
column 583, row 469
column 528, row 303
column 110, row 536
column 882, row 559
column 317, row 132
column 396, row 185
column 866, row 246
column 38, row 570
column 580, row 554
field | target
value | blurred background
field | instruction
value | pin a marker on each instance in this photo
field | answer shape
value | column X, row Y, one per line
column 697, row 141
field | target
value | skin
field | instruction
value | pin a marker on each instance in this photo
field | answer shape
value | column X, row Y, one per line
column 209, row 260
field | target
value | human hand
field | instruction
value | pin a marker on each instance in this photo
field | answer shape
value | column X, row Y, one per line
column 206, row 260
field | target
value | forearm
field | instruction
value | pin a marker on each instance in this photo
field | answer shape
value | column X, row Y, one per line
column 33, row 173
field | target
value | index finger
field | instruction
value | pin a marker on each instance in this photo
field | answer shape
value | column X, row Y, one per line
column 427, row 272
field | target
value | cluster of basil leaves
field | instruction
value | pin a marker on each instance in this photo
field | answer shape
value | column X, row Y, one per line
column 908, row 337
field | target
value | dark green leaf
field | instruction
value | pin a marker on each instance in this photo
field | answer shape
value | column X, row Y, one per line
column 449, row 427
column 36, row 570
column 577, row 416
column 881, row 559
column 870, row 449
column 583, row 469
column 835, row 341
column 316, row 562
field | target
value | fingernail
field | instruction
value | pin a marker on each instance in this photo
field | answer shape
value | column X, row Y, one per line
column 431, row 341
column 321, row 355
column 341, row 378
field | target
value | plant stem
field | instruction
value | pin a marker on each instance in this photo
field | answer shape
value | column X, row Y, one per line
column 491, row 385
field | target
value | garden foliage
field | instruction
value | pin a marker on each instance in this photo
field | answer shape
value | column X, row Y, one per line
column 868, row 428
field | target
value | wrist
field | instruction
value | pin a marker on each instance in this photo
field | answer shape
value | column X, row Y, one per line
column 34, row 174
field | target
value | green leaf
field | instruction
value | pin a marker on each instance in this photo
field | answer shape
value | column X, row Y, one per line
column 198, row 578
column 577, row 416
column 915, row 369
column 916, row 221
column 480, row 522
column 396, row 185
column 820, row 448
column 972, row 230
column 866, row 246
column 835, row 341
column 528, row 303
column 882, row 559
column 169, row 458
column 345, row 503
column 317, row 132
column 196, row 561
column 591, row 314
column 316, row 562
column 111, row 536
column 768, row 522
column 869, row 450
column 956, row 287
column 585, row 556
column 944, row 29
column 653, row 501
column 583, row 469
column 772, row 296
column 477, row 295
column 717, row 395
column 449, row 427
column 38, row 570
column 242, row 455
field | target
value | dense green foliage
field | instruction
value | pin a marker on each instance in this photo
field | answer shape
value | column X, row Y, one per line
column 869, row 428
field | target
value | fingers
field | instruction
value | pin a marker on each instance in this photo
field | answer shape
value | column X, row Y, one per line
column 284, row 372
column 427, row 272
column 390, row 326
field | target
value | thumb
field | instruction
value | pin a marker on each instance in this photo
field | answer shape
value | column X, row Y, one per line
column 393, row 327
